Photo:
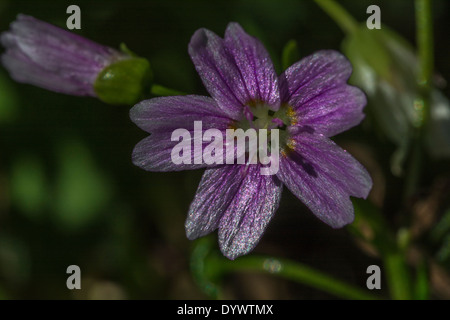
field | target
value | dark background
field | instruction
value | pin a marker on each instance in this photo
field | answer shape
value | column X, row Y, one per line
column 69, row 193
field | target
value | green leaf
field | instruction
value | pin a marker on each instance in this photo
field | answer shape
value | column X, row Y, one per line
column 369, row 47
column 29, row 187
column 290, row 54
column 385, row 67
column 422, row 287
column 8, row 101
column 82, row 191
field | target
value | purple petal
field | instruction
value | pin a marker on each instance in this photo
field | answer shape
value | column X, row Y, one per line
column 166, row 114
column 324, row 176
column 214, row 195
column 162, row 116
column 235, row 71
column 23, row 70
column 312, row 76
column 249, row 212
column 334, row 111
column 52, row 58
column 154, row 153
column 254, row 64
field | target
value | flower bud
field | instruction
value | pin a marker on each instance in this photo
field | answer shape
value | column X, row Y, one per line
column 49, row 57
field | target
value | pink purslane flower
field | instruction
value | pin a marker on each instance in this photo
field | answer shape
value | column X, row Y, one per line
column 308, row 103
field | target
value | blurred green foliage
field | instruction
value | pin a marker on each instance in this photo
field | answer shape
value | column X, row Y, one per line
column 7, row 100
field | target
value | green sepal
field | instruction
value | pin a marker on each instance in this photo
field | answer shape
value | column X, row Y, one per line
column 123, row 48
column 124, row 82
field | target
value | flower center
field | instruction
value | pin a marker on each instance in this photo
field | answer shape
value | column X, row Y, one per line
column 261, row 116
column 258, row 115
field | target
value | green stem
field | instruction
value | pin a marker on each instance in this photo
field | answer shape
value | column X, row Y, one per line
column 414, row 170
column 422, row 289
column 397, row 274
column 425, row 49
column 345, row 21
column 158, row 90
column 425, row 42
column 299, row 273
column 392, row 251
column 208, row 268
